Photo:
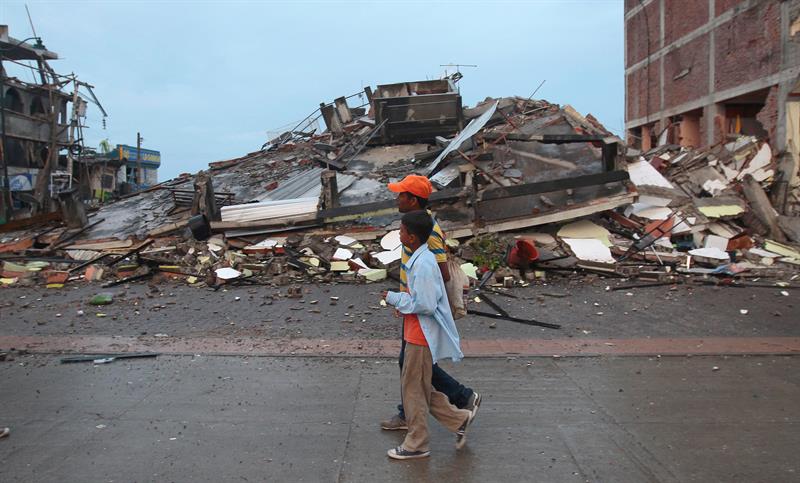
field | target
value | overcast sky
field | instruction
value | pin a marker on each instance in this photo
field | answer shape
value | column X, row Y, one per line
column 206, row 81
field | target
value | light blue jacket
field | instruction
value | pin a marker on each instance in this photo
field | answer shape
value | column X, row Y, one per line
column 427, row 299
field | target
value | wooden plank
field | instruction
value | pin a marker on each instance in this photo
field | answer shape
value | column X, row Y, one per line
column 60, row 243
column 163, row 230
column 89, row 262
column 17, row 246
column 25, row 223
column 132, row 252
column 109, row 245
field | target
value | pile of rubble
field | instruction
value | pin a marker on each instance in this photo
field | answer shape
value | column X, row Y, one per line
column 730, row 210
column 526, row 189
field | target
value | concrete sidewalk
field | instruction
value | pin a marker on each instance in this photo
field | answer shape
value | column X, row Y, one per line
column 315, row 419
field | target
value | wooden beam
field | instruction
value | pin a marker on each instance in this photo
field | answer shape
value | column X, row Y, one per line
column 163, row 230
column 131, row 252
column 30, row 222
column 557, row 185
column 60, row 243
column 553, row 138
column 572, row 212
column 354, row 212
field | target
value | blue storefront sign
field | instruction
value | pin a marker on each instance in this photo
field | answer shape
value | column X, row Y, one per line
column 150, row 158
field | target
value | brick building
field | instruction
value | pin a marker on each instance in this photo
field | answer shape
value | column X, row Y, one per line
column 697, row 71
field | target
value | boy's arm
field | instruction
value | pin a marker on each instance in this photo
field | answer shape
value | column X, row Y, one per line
column 422, row 297
column 437, row 246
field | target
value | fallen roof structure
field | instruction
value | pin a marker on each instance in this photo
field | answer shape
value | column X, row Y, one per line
column 522, row 176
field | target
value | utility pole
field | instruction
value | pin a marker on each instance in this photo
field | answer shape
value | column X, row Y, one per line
column 74, row 121
column 139, row 176
column 6, row 188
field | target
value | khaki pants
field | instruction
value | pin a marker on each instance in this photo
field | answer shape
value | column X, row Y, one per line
column 419, row 398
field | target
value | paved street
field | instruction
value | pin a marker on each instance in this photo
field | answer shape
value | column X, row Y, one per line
column 585, row 309
column 266, row 388
column 314, row 419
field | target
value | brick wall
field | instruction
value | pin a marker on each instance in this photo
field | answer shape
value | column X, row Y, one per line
column 749, row 46
column 630, row 4
column 768, row 116
column 636, row 33
column 680, row 87
column 722, row 6
column 636, row 95
column 693, row 14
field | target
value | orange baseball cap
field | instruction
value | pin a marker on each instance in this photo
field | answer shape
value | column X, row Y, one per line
column 415, row 184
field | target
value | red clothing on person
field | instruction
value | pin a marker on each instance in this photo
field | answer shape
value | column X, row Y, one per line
column 412, row 331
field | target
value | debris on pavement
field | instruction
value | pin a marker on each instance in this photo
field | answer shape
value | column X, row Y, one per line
column 106, row 358
column 104, row 298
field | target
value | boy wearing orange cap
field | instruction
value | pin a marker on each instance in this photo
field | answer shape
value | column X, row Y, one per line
column 413, row 193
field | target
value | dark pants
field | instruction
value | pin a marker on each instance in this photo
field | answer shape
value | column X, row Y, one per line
column 457, row 393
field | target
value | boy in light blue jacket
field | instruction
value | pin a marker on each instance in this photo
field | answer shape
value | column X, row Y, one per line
column 430, row 334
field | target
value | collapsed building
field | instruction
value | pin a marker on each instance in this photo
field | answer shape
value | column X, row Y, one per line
column 525, row 190
column 41, row 129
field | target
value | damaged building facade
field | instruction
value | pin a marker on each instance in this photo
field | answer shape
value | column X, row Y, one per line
column 699, row 71
column 41, row 128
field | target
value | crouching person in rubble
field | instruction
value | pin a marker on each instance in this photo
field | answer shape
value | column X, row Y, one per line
column 430, row 335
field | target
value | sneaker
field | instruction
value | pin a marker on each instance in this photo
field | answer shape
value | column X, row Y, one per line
column 474, row 404
column 4, row 432
column 394, row 424
column 401, row 453
column 461, row 434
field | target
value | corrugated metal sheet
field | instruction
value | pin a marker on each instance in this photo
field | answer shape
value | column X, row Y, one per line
column 305, row 184
column 269, row 210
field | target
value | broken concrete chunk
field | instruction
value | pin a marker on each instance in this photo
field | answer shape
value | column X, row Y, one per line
column 373, row 274
column 710, row 253
column 340, row 266
column 649, row 212
column 643, row 173
column 388, row 257
column 718, row 242
column 342, row 254
column 585, row 229
column 391, row 241
column 790, row 225
column 227, row 273
column 781, row 249
column 592, row 250
column 759, row 166
column 762, row 253
column 721, row 211
column 345, row 240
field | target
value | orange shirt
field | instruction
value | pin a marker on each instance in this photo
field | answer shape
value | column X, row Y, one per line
column 412, row 331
